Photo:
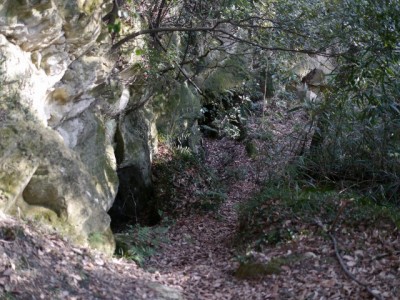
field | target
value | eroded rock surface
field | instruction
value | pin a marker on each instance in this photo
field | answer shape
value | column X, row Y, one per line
column 57, row 159
column 77, row 122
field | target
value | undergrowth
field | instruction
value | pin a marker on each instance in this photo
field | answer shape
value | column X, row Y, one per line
column 283, row 211
column 138, row 243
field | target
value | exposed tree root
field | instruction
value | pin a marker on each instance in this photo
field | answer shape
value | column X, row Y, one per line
column 343, row 265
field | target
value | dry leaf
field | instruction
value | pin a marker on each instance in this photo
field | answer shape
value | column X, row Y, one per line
column 348, row 257
column 8, row 272
column 351, row 263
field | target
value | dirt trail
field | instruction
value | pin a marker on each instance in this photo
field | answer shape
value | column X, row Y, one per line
column 199, row 257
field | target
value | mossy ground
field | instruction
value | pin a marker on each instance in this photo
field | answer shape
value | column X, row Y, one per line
column 256, row 270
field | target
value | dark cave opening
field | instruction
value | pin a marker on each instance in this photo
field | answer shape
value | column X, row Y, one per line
column 135, row 201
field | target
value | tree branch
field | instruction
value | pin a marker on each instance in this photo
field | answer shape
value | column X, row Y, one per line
column 160, row 10
column 215, row 29
column 182, row 70
column 255, row 44
column 157, row 30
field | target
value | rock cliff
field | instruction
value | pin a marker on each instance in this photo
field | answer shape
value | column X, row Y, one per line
column 62, row 118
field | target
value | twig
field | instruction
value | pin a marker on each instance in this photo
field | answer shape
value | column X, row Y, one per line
column 6, row 242
column 342, row 264
column 343, row 204
column 380, row 256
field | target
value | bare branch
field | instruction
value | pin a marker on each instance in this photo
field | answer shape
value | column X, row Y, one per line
column 214, row 29
column 258, row 45
column 182, row 71
column 157, row 30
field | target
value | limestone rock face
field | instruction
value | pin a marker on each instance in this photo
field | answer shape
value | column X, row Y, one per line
column 178, row 116
column 313, row 72
column 40, row 40
column 324, row 65
column 57, row 158
column 91, row 137
column 40, row 174
column 72, row 124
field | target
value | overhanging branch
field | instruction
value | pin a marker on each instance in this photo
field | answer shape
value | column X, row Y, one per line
column 158, row 30
column 216, row 28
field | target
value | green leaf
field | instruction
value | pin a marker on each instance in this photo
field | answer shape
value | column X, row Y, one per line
column 114, row 28
column 139, row 51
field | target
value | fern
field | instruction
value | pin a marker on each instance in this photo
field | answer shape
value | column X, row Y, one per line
column 138, row 243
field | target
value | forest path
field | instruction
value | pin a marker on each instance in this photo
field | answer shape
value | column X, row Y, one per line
column 199, row 257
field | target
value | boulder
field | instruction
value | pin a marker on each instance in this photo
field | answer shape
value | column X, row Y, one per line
column 177, row 112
